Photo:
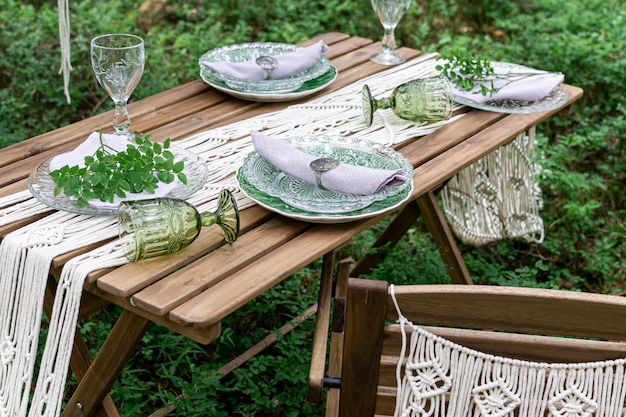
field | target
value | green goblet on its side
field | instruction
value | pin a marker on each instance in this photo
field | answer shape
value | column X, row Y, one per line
column 161, row 226
column 420, row 100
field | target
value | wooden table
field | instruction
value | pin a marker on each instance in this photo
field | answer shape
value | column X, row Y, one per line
column 271, row 247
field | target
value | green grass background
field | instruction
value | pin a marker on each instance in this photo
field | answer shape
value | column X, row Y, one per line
column 582, row 159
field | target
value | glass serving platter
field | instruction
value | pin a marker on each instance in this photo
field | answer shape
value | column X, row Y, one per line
column 42, row 186
column 554, row 100
column 250, row 51
column 309, row 197
column 307, row 88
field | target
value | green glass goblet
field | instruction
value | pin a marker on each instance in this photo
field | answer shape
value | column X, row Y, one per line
column 161, row 226
column 420, row 100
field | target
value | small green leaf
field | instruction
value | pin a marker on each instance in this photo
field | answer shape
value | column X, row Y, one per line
column 178, row 167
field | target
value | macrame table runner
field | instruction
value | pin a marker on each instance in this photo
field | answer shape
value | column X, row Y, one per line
column 26, row 254
column 444, row 379
column 497, row 197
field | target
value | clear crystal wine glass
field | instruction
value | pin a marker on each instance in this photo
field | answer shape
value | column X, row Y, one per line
column 420, row 100
column 389, row 12
column 117, row 61
column 161, row 226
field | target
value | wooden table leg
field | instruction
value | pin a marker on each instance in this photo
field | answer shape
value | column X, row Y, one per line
column 442, row 235
column 320, row 335
column 119, row 346
column 427, row 207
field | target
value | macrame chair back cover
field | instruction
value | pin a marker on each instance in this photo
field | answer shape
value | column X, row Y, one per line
column 439, row 378
column 497, row 197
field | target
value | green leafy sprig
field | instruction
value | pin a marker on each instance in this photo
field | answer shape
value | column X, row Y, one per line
column 109, row 173
column 469, row 73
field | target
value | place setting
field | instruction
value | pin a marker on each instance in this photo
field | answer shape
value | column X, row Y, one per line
column 503, row 87
column 325, row 178
column 126, row 174
column 268, row 71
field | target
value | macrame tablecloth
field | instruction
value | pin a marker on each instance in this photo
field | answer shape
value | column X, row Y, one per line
column 26, row 254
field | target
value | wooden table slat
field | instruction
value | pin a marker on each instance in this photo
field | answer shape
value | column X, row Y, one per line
column 185, row 283
column 228, row 295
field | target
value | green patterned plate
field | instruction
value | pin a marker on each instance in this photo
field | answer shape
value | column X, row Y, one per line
column 303, row 195
column 277, row 205
column 271, row 188
column 308, row 88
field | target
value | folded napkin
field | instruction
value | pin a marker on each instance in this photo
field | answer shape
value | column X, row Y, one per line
column 519, row 86
column 89, row 147
column 289, row 63
column 346, row 178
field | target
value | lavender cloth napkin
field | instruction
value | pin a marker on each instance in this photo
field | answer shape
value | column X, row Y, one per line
column 346, row 178
column 522, row 88
column 89, row 147
column 289, row 63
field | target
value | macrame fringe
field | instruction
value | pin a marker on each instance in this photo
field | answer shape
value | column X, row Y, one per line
column 439, row 378
column 497, row 197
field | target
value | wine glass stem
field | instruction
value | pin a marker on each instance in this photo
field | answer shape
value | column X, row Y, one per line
column 383, row 103
column 121, row 118
column 389, row 40
column 207, row 218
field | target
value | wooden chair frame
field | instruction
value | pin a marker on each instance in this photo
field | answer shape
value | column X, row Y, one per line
column 505, row 321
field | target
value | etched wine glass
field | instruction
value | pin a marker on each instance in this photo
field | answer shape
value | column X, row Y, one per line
column 420, row 100
column 117, row 61
column 389, row 12
column 161, row 226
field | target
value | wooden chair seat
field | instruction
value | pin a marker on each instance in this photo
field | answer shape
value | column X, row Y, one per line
column 529, row 324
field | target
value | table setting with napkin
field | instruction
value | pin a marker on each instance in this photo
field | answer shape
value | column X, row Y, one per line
column 288, row 64
column 76, row 157
column 345, row 178
column 513, row 83
column 324, row 178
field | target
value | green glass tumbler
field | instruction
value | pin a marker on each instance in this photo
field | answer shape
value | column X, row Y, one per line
column 421, row 100
column 161, row 226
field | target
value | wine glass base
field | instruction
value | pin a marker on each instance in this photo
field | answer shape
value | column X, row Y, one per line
column 387, row 58
column 367, row 102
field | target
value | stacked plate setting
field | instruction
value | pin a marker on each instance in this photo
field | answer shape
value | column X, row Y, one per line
column 271, row 188
column 293, row 87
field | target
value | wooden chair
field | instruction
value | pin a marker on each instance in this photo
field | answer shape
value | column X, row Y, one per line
column 537, row 325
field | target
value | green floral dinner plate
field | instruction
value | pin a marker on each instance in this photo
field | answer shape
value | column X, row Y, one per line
column 307, row 88
column 277, row 205
column 271, row 188
column 250, row 51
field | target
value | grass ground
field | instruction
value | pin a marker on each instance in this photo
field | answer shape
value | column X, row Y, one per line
column 582, row 180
